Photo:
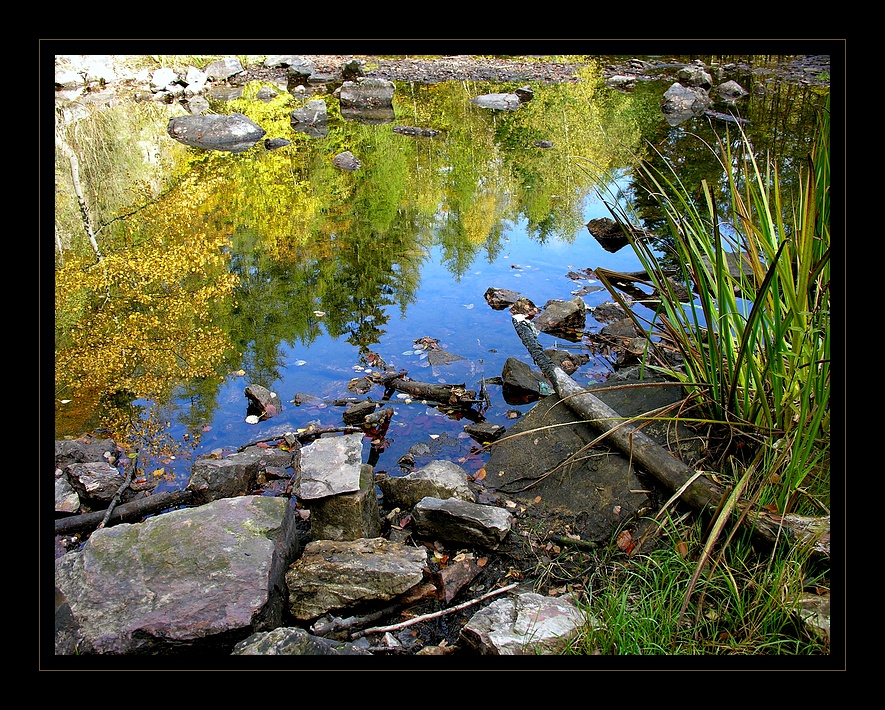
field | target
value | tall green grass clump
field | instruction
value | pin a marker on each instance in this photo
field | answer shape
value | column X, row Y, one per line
column 755, row 335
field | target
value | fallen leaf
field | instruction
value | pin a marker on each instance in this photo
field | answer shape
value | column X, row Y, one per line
column 625, row 541
column 682, row 549
column 479, row 475
column 482, row 561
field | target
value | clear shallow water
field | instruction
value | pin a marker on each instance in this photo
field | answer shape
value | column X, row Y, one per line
column 304, row 236
column 453, row 311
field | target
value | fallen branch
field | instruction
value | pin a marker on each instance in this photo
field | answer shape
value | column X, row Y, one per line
column 130, row 469
column 453, row 395
column 434, row 615
column 699, row 492
column 128, row 512
column 336, row 624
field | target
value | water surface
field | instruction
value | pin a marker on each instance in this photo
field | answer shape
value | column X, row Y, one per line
column 277, row 268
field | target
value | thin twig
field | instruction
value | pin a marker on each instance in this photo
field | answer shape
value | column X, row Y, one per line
column 434, row 615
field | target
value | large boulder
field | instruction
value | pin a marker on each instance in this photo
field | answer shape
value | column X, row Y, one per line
column 500, row 102
column 366, row 93
column 234, row 132
column 198, row 579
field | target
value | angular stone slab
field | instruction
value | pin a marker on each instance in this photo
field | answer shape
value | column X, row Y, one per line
column 330, row 466
column 438, row 479
column 348, row 516
column 525, row 625
column 196, row 578
column 461, row 521
column 288, row 641
column 338, row 575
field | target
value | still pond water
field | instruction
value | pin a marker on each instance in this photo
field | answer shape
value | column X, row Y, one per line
column 292, row 274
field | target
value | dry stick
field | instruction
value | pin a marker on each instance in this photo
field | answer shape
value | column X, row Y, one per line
column 127, row 512
column 434, row 615
column 130, row 466
column 699, row 492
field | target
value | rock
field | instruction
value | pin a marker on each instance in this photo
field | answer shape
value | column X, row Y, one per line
column 274, row 143
column 76, row 451
column 624, row 328
column 163, row 78
column 366, row 93
column 731, row 91
column 288, row 641
column 439, row 356
column 66, row 498
column 331, row 465
column 262, row 402
column 346, row 161
column 603, row 490
column 695, row 76
column 525, row 625
column 566, row 361
column 460, row 521
column 501, row 102
column 524, row 307
column 484, row 432
column 622, row 82
column 608, row 312
column 223, row 69
column 438, row 479
column 608, row 233
column 521, row 383
column 95, row 482
column 347, row 516
column 298, row 71
column 197, row 105
column 234, row 133
column 680, row 103
column 334, row 575
column 352, row 70
column 566, row 319
column 543, row 144
column 236, row 475
column 310, row 119
column 500, row 298
column 157, row 587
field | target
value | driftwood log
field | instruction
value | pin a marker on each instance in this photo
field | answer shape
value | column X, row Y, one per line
column 701, row 493
column 452, row 395
column 128, row 512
